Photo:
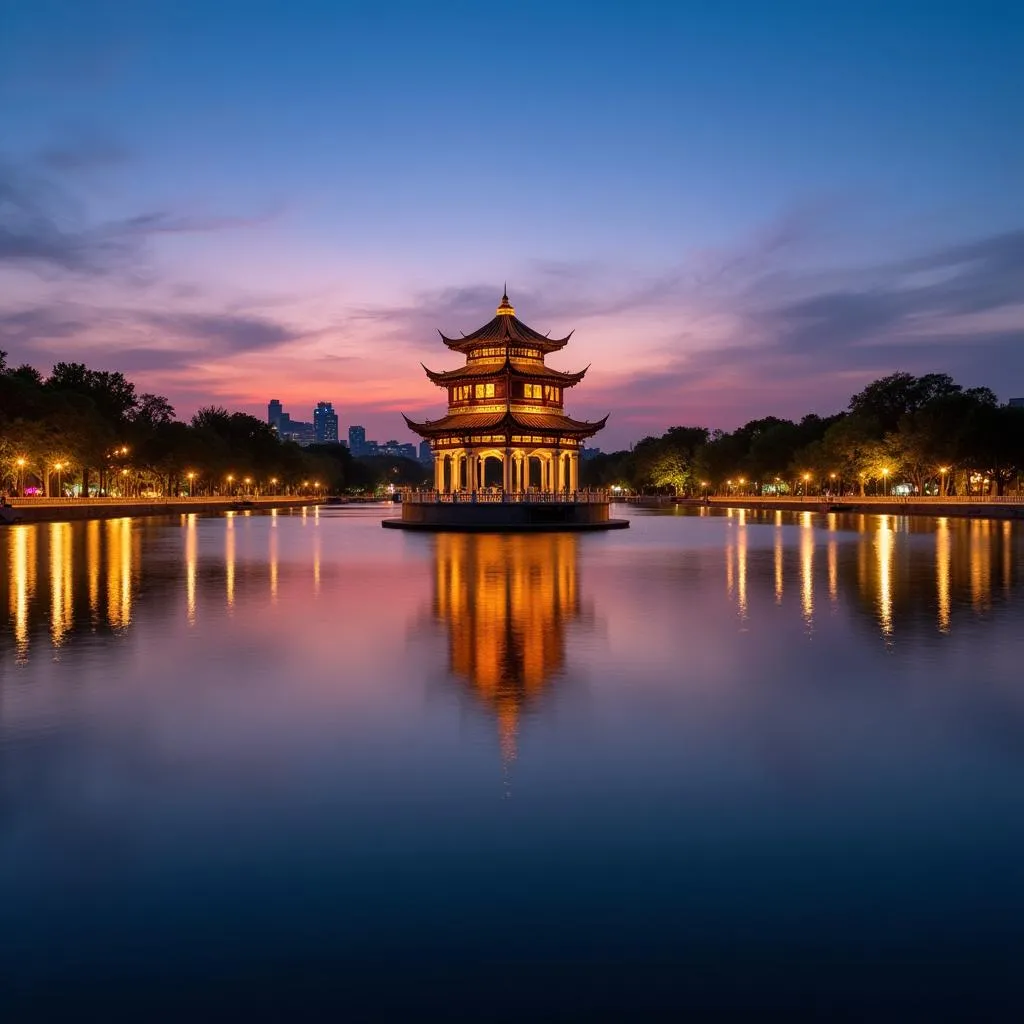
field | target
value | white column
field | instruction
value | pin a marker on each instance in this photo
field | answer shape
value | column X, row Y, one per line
column 559, row 466
column 506, row 465
column 474, row 472
column 438, row 472
column 575, row 471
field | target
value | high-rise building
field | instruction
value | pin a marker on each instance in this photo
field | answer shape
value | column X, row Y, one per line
column 357, row 441
column 1017, row 403
column 274, row 413
column 325, row 423
column 426, row 455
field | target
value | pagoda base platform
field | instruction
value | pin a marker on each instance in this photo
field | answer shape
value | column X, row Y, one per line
column 505, row 517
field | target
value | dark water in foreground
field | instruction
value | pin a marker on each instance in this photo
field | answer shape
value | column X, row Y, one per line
column 735, row 761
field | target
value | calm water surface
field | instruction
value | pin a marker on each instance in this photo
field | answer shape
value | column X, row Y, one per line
column 737, row 759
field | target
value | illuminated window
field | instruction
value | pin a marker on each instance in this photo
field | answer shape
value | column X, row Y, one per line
column 485, row 390
column 552, row 394
column 532, row 390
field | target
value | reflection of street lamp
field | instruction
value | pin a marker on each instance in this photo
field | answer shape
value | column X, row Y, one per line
column 885, row 482
column 190, row 477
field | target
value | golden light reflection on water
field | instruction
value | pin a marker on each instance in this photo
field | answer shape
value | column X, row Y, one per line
column 229, row 561
column 506, row 602
column 778, row 546
column 61, row 558
column 981, row 563
column 943, row 569
column 273, row 558
column 119, row 571
column 22, row 567
column 191, row 553
column 92, row 564
column 741, row 571
column 807, row 568
column 1007, row 556
column 884, row 550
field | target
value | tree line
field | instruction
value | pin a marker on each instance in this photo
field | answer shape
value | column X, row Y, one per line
column 901, row 434
column 86, row 431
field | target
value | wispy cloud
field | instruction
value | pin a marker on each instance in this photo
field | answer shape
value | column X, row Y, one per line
column 46, row 227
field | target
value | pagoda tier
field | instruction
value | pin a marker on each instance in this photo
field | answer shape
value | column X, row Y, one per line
column 508, row 421
column 515, row 368
column 506, row 329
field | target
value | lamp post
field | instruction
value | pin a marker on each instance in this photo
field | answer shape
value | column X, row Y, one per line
column 231, row 480
column 832, row 479
column 807, row 480
column 885, row 483
column 704, row 484
column 58, row 466
column 943, row 470
column 21, row 476
column 743, row 482
column 248, row 483
column 273, row 484
column 190, row 477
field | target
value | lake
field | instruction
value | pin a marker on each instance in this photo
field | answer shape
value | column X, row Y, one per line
column 728, row 760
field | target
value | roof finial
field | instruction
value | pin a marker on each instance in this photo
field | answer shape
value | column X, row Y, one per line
column 505, row 309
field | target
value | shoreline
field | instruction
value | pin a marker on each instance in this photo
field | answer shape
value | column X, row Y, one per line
column 74, row 509
column 934, row 507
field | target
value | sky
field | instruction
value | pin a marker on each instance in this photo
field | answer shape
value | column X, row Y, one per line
column 742, row 209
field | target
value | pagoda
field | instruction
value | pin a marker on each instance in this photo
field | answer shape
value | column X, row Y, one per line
column 506, row 405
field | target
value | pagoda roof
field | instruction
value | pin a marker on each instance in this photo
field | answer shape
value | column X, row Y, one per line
column 536, row 371
column 471, row 422
column 505, row 328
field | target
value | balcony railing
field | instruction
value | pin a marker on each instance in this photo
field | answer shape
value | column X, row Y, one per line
column 496, row 496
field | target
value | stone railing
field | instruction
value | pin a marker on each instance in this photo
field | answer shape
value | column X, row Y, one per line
column 496, row 496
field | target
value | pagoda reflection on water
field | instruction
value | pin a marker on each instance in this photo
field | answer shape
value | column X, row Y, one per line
column 506, row 601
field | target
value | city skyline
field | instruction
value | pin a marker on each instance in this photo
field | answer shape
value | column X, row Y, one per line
column 742, row 212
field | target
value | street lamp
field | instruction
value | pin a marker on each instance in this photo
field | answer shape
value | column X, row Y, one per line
column 943, row 470
column 248, row 481
column 190, row 477
column 231, row 480
column 273, row 483
column 885, row 482
column 704, row 484
column 742, row 482
column 58, row 466
column 807, row 480
column 21, row 476
column 832, row 477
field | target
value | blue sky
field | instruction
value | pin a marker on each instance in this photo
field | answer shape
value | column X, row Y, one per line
column 743, row 208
